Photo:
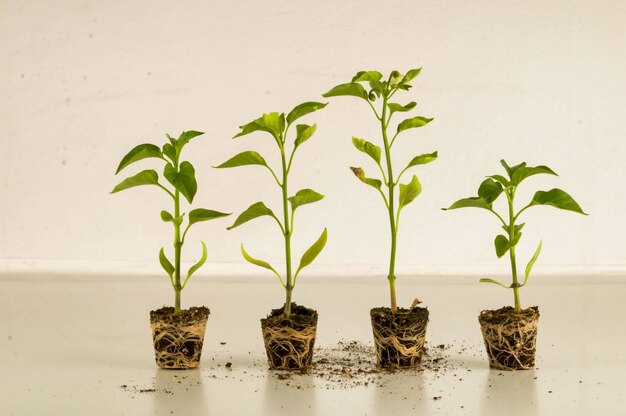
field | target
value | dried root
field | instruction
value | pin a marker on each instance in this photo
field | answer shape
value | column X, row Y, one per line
column 289, row 341
column 178, row 338
column 510, row 338
column 399, row 337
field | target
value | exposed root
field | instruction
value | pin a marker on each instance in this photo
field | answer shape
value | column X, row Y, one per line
column 510, row 338
column 178, row 338
column 399, row 338
column 289, row 342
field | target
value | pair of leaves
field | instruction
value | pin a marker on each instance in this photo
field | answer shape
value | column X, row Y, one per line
column 170, row 269
column 183, row 179
column 529, row 268
column 520, row 172
column 275, row 123
column 307, row 258
column 502, row 244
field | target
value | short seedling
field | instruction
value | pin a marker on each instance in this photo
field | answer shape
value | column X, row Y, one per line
column 489, row 191
column 277, row 125
column 181, row 175
column 384, row 91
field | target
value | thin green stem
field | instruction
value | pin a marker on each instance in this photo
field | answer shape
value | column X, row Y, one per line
column 510, row 196
column 177, row 253
column 287, row 231
column 499, row 217
column 166, row 190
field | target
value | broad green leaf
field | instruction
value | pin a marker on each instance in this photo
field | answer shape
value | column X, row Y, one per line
column 243, row 159
column 531, row 262
column 414, row 122
column 397, row 108
column 372, row 76
column 410, row 75
column 472, row 202
column 184, row 180
column 169, row 151
column 304, row 133
column 201, row 214
column 558, row 199
column 171, row 139
column 255, row 210
column 166, row 216
column 504, row 181
column 486, row 280
column 409, row 192
column 142, row 151
column 303, row 197
column 352, row 88
column 515, row 240
column 200, row 262
column 422, row 159
column 260, row 263
column 368, row 148
column 250, row 128
column 274, row 122
column 304, row 109
column 145, row 177
column 166, row 264
column 395, row 78
column 360, row 173
column 185, row 137
column 502, row 245
column 312, row 252
column 490, row 190
column 511, row 170
column 524, row 172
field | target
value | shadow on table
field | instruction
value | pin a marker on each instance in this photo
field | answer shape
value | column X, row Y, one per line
column 289, row 394
column 511, row 393
column 400, row 391
column 179, row 391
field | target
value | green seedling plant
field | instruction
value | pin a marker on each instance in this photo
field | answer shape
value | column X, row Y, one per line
column 278, row 125
column 489, row 191
column 182, row 178
column 377, row 89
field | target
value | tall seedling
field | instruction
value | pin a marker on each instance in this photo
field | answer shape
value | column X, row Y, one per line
column 394, row 194
column 278, row 125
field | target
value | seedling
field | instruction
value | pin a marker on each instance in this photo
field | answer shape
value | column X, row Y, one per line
column 384, row 91
column 182, row 177
column 489, row 191
column 277, row 125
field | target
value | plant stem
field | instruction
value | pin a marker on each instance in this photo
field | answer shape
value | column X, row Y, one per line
column 288, row 231
column 515, row 284
column 392, row 221
column 177, row 250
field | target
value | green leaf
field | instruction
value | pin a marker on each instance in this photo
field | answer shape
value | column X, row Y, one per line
column 504, row 181
column 531, row 262
column 312, row 252
column 517, row 228
column 166, row 216
column 422, row 159
column 368, row 148
column 410, row 75
column 166, row 264
column 201, row 214
column 274, row 122
column 142, row 151
column 397, row 108
column 372, row 76
column 502, row 245
column 414, row 122
column 255, row 210
column 243, row 159
column 524, row 172
column 145, row 177
column 260, row 263
column 304, row 109
column 486, row 280
column 351, row 88
column 558, row 199
column 304, row 133
column 250, row 128
column 185, row 137
column 200, row 262
column 360, row 173
column 169, row 151
column 472, row 202
column 490, row 190
column 409, row 192
column 184, row 180
column 303, row 197
column 511, row 170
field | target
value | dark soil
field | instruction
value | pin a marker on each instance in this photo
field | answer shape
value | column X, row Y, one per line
column 407, row 328
column 510, row 338
column 289, row 341
column 185, row 316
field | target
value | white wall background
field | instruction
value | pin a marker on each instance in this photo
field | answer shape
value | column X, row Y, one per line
column 84, row 81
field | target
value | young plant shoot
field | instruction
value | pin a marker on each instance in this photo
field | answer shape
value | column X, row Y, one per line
column 489, row 191
column 278, row 125
column 181, row 176
column 377, row 89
